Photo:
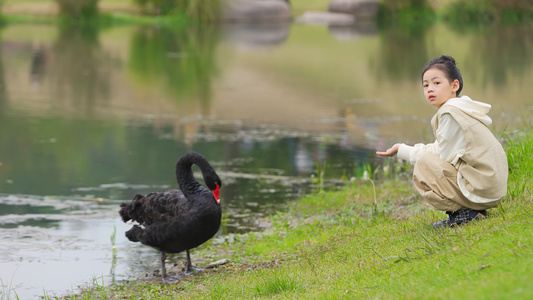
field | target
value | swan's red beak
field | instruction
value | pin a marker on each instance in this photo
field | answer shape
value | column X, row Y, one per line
column 216, row 193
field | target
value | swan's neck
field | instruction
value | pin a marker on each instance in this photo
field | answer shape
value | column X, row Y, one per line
column 186, row 180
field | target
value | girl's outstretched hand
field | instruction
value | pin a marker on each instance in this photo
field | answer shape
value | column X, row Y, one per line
column 390, row 152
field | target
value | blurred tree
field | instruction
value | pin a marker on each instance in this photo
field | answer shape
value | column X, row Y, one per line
column 182, row 59
column 79, row 9
column 196, row 9
column 398, row 5
column 412, row 15
column 479, row 12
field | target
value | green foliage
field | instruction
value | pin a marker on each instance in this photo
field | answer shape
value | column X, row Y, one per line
column 399, row 5
column 414, row 15
column 479, row 12
column 200, row 10
column 520, row 165
column 410, row 14
column 319, row 180
column 464, row 12
column 78, row 9
column 180, row 57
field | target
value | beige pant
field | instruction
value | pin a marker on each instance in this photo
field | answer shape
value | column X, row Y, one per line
column 436, row 181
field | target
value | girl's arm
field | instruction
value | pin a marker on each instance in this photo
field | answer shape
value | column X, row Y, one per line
column 450, row 144
column 412, row 153
column 409, row 153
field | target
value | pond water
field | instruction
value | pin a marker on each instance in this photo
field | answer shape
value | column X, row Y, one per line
column 89, row 118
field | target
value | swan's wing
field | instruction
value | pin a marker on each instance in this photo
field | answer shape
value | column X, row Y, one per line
column 154, row 207
column 169, row 203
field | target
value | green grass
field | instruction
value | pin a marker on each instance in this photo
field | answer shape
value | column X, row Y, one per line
column 520, row 162
column 340, row 244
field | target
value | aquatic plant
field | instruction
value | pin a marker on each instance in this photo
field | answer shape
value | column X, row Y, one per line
column 112, row 238
column 319, row 180
column 114, row 250
column 6, row 290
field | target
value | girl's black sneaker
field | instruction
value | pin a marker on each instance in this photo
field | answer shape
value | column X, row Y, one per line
column 460, row 217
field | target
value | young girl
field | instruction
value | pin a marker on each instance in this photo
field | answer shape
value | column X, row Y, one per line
column 464, row 172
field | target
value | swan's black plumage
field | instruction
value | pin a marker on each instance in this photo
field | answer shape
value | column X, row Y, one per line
column 172, row 221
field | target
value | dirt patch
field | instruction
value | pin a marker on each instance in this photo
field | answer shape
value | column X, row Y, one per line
column 38, row 9
column 119, row 8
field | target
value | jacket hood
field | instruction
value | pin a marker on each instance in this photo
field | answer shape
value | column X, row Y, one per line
column 475, row 109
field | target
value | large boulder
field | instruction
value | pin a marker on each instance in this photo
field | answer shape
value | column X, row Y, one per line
column 255, row 36
column 355, row 31
column 322, row 17
column 361, row 9
column 256, row 10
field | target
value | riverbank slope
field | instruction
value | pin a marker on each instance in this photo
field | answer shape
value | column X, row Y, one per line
column 363, row 242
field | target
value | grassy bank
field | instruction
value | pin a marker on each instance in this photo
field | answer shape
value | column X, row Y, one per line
column 350, row 244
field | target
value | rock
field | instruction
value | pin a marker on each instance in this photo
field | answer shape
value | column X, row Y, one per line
column 319, row 17
column 217, row 263
column 361, row 9
column 353, row 31
column 256, row 36
column 256, row 10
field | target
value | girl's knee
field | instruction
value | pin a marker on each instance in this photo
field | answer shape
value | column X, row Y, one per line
column 429, row 164
column 428, row 159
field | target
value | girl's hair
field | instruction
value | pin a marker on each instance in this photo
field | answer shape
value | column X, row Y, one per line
column 447, row 65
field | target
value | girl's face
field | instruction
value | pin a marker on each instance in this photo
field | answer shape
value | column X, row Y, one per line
column 437, row 88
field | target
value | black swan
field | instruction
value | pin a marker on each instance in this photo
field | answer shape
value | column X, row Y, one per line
column 172, row 221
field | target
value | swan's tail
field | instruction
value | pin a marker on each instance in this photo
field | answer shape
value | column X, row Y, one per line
column 132, row 210
column 134, row 233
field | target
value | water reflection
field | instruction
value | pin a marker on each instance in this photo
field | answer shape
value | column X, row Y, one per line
column 90, row 117
column 3, row 88
column 38, row 64
column 181, row 62
column 402, row 54
column 80, row 70
column 353, row 31
column 256, row 36
column 501, row 62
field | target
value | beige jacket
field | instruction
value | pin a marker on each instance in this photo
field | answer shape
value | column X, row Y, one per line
column 464, row 140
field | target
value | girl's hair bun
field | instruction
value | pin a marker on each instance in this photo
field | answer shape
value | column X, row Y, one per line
column 448, row 58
